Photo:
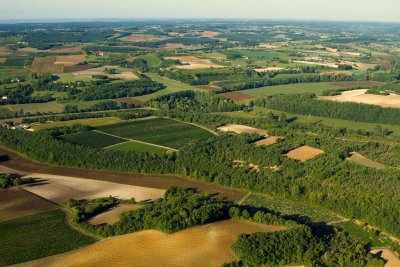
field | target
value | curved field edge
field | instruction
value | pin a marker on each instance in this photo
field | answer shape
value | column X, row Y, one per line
column 153, row 248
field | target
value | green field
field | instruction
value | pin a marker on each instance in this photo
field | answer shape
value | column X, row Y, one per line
column 38, row 236
column 5, row 112
column 172, row 86
column 93, row 139
column 290, row 208
column 93, row 122
column 158, row 131
column 52, row 93
column 297, row 88
column 38, row 107
column 139, row 147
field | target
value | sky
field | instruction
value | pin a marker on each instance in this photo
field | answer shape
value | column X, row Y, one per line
column 337, row 10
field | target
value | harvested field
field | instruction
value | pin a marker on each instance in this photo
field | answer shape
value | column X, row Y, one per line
column 209, row 34
column 360, row 65
column 59, row 189
column 177, row 46
column 111, row 216
column 238, row 97
column 69, row 69
column 20, row 163
column 269, row 46
column 392, row 260
column 135, row 38
column 3, row 60
column 43, row 65
column 194, row 63
column 269, row 69
column 331, row 65
column 70, row 60
column 359, row 159
column 207, row 245
column 240, row 129
column 88, row 73
column 270, row 140
column 16, row 202
column 93, row 122
column 304, row 153
column 4, row 52
column 360, row 96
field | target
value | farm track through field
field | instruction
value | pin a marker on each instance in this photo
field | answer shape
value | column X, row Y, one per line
column 20, row 163
column 137, row 141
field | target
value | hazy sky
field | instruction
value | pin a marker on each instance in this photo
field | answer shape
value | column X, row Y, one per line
column 365, row 10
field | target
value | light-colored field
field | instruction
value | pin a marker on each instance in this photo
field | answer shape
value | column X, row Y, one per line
column 360, row 96
column 269, row 46
column 388, row 255
column 177, row 45
column 304, row 153
column 70, row 60
column 43, row 65
column 101, row 71
column 202, row 246
column 270, row 140
column 3, row 60
column 194, row 63
column 59, row 189
column 94, row 122
column 360, row 65
column 112, row 216
column 208, row 34
column 360, row 159
column 269, row 69
column 15, row 203
column 239, row 129
column 4, row 52
column 135, row 38
column 33, row 108
column 331, row 65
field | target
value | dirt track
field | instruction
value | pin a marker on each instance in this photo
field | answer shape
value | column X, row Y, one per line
column 20, row 163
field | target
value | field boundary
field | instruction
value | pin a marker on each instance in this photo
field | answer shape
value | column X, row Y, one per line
column 193, row 124
column 130, row 140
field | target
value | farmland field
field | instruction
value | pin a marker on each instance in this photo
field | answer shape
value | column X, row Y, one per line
column 37, row 236
column 59, row 189
column 38, row 107
column 15, row 203
column 43, row 65
column 238, row 97
column 359, row 159
column 239, row 129
column 93, row 122
column 148, row 248
column 93, row 139
column 298, row 88
column 139, row 147
column 172, row 86
column 304, row 153
column 112, row 215
column 70, row 60
column 160, row 131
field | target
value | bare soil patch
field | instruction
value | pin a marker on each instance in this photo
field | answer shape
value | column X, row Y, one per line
column 135, row 38
column 20, row 163
column 304, row 153
column 209, row 34
column 360, row 159
column 360, row 96
column 4, row 52
column 270, row 140
column 3, row 60
column 111, row 216
column 389, row 255
column 69, row 69
column 194, row 63
column 16, row 202
column 209, row 87
column 238, row 97
column 239, row 129
column 88, row 73
column 202, row 246
column 70, row 60
column 59, row 189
